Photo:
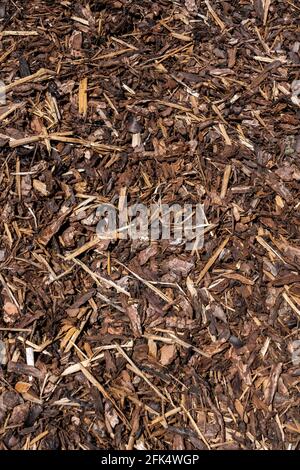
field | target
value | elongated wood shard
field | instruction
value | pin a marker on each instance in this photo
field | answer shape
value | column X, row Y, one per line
column 82, row 102
column 39, row 76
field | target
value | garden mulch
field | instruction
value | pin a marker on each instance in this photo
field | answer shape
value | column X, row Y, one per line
column 140, row 344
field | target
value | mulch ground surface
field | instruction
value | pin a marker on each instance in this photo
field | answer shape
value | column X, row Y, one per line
column 140, row 344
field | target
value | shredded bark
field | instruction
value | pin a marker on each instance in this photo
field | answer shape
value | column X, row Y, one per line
column 142, row 344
